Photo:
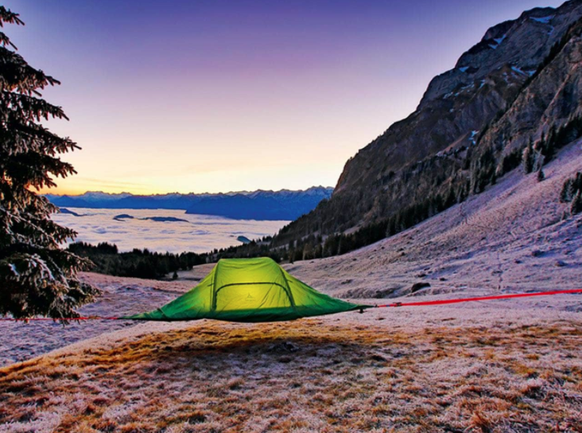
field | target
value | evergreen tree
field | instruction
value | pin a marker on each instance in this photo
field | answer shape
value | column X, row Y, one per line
column 291, row 256
column 552, row 137
column 567, row 192
column 539, row 161
column 576, row 206
column 541, row 175
column 528, row 158
column 548, row 149
column 37, row 277
column 510, row 161
column 308, row 251
column 451, row 199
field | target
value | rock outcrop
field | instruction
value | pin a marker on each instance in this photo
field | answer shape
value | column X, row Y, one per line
column 520, row 81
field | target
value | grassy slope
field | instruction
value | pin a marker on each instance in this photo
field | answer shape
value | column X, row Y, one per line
column 314, row 375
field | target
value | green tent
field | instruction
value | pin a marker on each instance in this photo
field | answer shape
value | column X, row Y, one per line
column 249, row 290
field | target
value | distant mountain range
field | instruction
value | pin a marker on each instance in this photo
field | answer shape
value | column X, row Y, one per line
column 257, row 205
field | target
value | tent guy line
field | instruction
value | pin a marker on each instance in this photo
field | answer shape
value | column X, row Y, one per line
column 395, row 304
column 479, row 298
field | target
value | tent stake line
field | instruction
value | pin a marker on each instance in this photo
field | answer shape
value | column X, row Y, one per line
column 395, row 304
column 480, row 298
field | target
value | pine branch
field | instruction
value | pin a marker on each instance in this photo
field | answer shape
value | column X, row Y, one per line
column 17, row 75
column 20, row 137
column 5, row 41
column 6, row 16
column 33, row 169
column 28, row 108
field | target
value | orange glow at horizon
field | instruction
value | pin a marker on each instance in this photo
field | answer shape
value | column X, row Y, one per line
column 220, row 181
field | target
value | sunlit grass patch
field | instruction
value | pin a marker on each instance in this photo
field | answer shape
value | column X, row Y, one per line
column 304, row 376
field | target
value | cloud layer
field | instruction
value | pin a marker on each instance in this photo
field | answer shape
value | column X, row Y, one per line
column 199, row 233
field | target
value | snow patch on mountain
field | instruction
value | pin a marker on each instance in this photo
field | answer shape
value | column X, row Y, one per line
column 542, row 20
column 518, row 70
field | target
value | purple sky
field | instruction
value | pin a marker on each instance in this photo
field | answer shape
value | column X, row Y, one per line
column 215, row 95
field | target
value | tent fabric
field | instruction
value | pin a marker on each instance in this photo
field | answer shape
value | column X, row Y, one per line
column 249, row 290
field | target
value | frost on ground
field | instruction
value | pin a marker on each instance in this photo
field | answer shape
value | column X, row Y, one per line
column 120, row 296
column 380, row 371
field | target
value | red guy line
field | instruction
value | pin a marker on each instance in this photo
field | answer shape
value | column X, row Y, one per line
column 481, row 298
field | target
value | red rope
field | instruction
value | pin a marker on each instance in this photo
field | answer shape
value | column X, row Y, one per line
column 46, row 319
column 481, row 298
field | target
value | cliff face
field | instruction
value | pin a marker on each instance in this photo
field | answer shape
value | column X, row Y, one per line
column 465, row 99
column 521, row 79
column 552, row 99
column 523, row 43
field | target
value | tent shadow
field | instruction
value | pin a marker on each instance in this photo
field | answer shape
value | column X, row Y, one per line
column 275, row 343
column 270, row 346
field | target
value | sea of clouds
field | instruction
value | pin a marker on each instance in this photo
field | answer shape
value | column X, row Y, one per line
column 199, row 233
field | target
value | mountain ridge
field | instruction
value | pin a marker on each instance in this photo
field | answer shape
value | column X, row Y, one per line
column 471, row 127
column 259, row 205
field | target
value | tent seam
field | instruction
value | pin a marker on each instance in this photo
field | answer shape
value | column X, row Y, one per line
column 291, row 299
column 214, row 291
column 253, row 283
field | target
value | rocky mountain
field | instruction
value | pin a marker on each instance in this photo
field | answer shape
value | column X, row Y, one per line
column 258, row 205
column 519, row 88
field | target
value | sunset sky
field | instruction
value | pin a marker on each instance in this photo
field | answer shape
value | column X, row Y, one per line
column 216, row 95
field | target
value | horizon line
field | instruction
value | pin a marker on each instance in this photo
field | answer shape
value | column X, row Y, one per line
column 181, row 193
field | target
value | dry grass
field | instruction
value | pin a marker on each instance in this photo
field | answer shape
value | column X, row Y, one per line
column 309, row 375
